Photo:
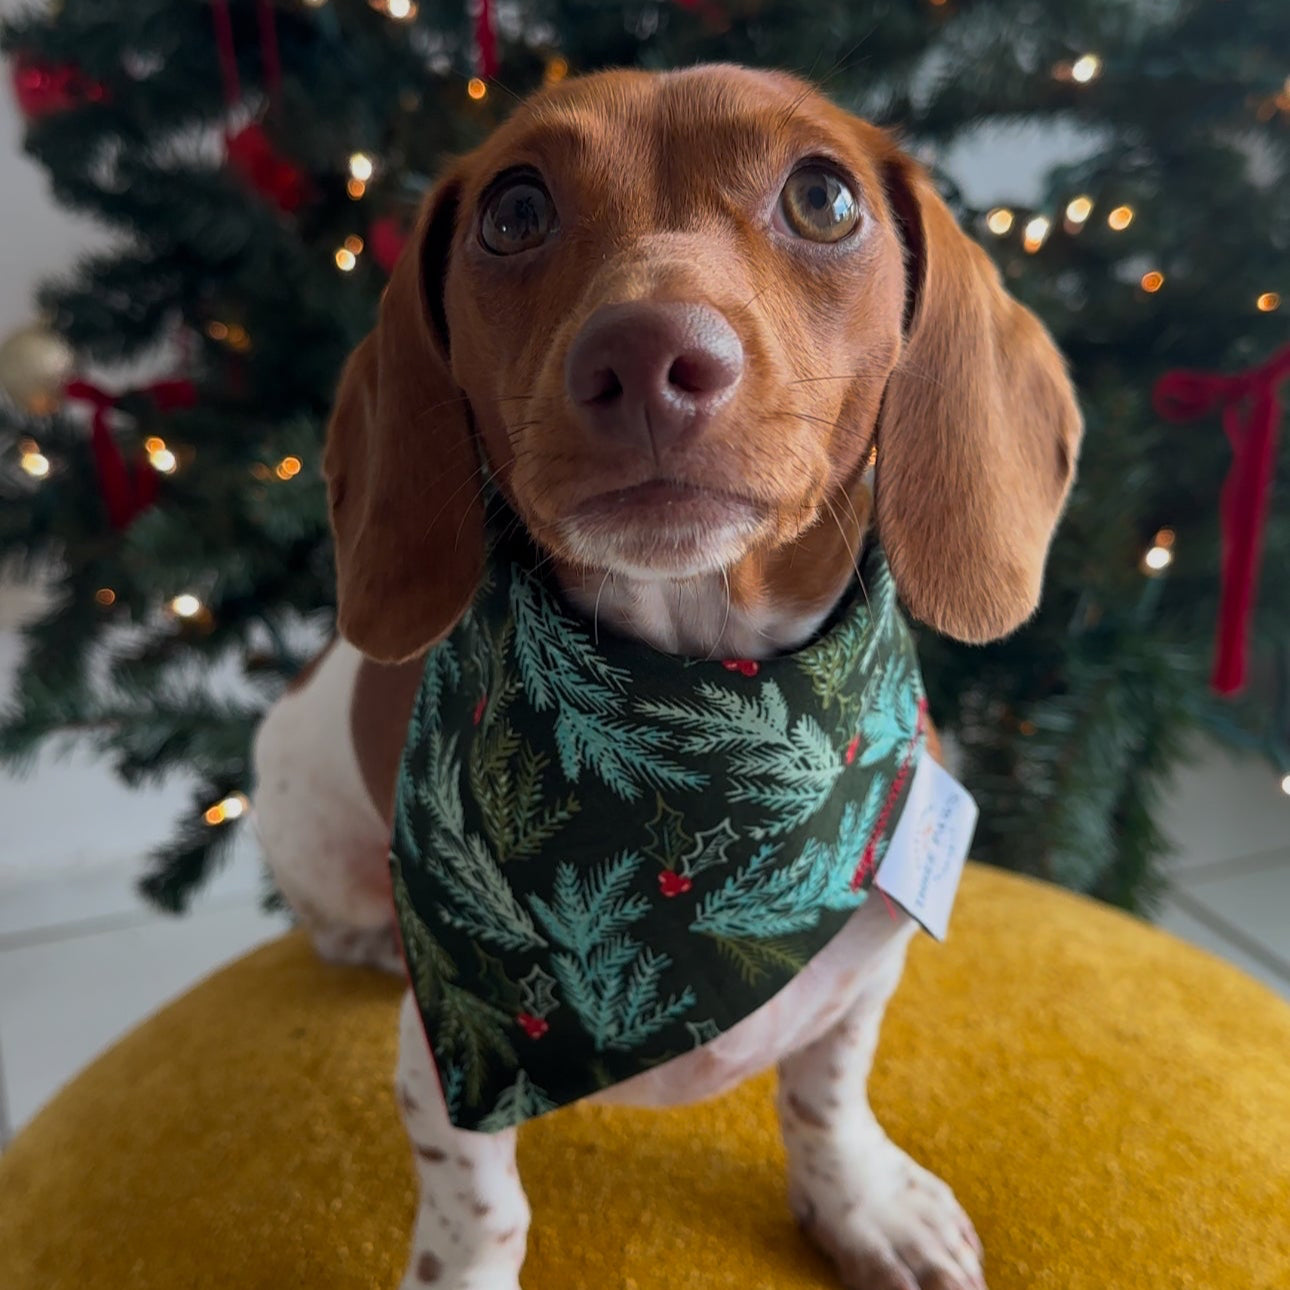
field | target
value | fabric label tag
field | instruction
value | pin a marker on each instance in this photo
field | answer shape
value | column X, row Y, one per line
column 925, row 856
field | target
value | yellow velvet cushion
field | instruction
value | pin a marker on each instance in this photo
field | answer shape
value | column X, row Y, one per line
column 1111, row 1106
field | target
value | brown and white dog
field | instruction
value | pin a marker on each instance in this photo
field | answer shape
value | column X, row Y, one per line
column 677, row 312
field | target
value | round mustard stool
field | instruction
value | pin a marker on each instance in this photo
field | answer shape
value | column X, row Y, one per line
column 1111, row 1106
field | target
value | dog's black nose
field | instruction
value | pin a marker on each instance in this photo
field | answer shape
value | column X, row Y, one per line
column 653, row 372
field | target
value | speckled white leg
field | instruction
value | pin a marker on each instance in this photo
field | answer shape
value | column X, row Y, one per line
column 323, row 839
column 472, row 1217
column 885, row 1221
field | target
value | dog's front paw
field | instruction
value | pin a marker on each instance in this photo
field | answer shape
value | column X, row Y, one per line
column 886, row 1222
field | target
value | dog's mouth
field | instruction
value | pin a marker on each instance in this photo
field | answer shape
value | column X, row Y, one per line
column 662, row 528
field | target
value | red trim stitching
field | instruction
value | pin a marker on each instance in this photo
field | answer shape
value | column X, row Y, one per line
column 864, row 870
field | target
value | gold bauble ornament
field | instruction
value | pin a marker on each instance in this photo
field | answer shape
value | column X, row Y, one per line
column 35, row 365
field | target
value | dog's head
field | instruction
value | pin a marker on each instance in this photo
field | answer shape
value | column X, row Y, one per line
column 678, row 312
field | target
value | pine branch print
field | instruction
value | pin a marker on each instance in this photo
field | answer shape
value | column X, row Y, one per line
column 609, row 979
column 762, row 901
column 430, row 964
column 642, row 1014
column 453, row 1080
column 592, row 909
column 521, row 1101
column 490, row 782
column 469, row 1033
column 849, row 650
column 891, row 720
column 758, row 959
column 787, row 770
column 472, row 1033
column 535, row 823
column 561, row 670
column 481, row 901
column 854, row 831
column 442, row 669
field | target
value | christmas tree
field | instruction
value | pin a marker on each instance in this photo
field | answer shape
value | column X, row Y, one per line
column 262, row 159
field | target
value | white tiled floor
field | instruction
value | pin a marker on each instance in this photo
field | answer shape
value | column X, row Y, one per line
column 72, row 983
column 82, row 959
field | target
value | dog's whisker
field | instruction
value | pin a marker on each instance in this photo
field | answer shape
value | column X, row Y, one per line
column 595, row 614
column 846, row 543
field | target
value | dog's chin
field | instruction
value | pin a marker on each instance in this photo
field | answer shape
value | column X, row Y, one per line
column 662, row 530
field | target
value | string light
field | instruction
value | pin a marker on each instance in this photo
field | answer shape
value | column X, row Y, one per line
column 159, row 456
column 1078, row 209
column 476, row 88
column 345, row 259
column 1035, row 233
column 31, row 459
column 999, row 221
column 105, row 596
column 1268, row 302
column 1160, row 555
column 261, row 471
column 186, row 605
column 228, row 808
column 1152, row 281
column 314, row 4
column 1285, row 786
column 401, row 10
column 1086, row 68
column 238, row 339
column 557, row 69
column 354, row 244
column 361, row 167
column 355, row 188
column 287, row 468
column 217, row 330
column 1120, row 218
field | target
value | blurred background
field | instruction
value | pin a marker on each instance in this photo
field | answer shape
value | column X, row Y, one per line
column 199, row 203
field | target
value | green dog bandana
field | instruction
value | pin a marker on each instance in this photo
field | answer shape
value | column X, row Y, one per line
column 605, row 856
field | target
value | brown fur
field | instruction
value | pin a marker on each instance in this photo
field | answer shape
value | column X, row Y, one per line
column 666, row 186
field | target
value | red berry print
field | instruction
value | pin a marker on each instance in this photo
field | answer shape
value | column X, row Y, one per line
column 852, row 748
column 744, row 666
column 479, row 709
column 533, row 1027
column 671, row 883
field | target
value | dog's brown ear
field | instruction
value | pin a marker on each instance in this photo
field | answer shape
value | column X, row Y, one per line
column 402, row 465
column 978, row 435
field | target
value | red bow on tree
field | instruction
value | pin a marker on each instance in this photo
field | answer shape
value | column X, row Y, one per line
column 485, row 38
column 251, row 152
column 126, row 493
column 1251, row 413
column 42, row 88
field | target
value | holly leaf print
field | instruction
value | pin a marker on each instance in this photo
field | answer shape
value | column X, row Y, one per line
column 710, row 846
column 537, row 992
column 666, row 836
column 703, row 1032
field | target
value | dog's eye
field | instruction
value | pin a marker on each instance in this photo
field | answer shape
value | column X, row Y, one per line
column 818, row 205
column 518, row 215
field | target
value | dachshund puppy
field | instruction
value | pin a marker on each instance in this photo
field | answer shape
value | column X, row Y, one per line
column 707, row 335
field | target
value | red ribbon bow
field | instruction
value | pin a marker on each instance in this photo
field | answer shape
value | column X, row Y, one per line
column 486, row 38
column 1251, row 413
column 126, row 493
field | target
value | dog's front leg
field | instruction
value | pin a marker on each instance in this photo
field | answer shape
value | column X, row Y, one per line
column 472, row 1217
column 886, row 1222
